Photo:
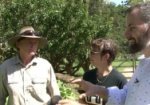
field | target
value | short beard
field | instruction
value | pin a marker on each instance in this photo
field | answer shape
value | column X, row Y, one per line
column 136, row 47
column 140, row 44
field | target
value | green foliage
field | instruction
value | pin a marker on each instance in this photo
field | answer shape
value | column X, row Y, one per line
column 68, row 25
column 67, row 91
column 118, row 26
column 133, row 2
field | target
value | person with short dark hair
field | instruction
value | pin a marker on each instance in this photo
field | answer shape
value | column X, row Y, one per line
column 103, row 53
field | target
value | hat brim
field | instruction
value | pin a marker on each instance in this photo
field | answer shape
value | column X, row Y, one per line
column 42, row 41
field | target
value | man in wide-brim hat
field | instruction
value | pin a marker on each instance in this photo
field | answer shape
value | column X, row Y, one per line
column 27, row 32
column 26, row 78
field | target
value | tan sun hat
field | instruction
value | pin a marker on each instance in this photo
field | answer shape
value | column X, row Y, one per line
column 27, row 32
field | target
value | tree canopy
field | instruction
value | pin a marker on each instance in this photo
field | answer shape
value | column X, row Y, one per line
column 68, row 25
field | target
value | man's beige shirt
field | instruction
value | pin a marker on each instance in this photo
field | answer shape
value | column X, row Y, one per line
column 27, row 85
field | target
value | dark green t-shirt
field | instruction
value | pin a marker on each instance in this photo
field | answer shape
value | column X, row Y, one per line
column 114, row 78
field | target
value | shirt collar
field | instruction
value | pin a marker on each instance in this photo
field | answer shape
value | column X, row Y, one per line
column 17, row 61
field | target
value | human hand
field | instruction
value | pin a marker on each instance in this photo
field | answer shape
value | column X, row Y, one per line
column 55, row 99
column 91, row 89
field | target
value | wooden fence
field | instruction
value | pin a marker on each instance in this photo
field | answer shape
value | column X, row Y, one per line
column 126, row 67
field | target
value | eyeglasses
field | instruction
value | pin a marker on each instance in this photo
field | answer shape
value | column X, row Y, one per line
column 30, row 32
column 94, row 52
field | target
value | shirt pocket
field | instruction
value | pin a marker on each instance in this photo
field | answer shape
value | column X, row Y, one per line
column 13, row 79
column 38, row 80
column 13, row 84
column 39, row 85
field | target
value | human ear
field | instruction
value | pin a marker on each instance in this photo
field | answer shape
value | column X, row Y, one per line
column 107, row 56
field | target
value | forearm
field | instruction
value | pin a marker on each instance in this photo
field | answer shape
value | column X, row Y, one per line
column 102, row 92
column 2, row 97
column 3, row 91
column 116, row 96
column 2, row 102
column 92, row 89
